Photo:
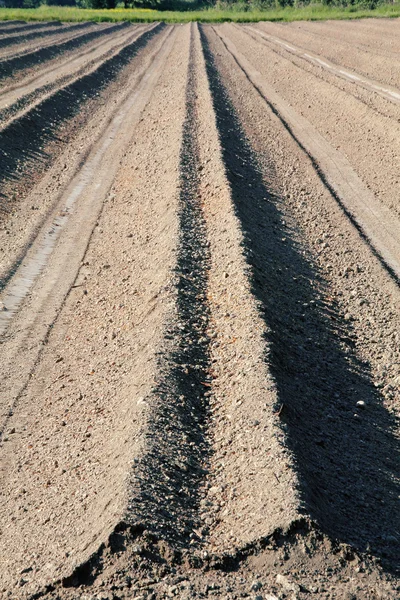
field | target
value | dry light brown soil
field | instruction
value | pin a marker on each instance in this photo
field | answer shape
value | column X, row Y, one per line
column 200, row 311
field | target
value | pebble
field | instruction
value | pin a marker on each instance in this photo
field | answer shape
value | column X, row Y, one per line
column 287, row 585
column 257, row 585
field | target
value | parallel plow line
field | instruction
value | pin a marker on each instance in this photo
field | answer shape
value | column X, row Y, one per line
column 56, row 28
column 168, row 477
column 23, row 140
column 10, row 66
column 376, row 223
column 14, row 28
column 85, row 184
column 387, row 92
column 15, row 99
column 316, row 381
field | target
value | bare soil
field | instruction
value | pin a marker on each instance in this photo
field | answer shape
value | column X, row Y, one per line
column 371, row 51
column 11, row 40
column 200, row 315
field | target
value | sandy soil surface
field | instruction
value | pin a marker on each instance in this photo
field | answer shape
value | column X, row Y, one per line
column 200, row 321
column 337, row 114
column 17, row 98
column 31, row 58
column 16, row 26
column 9, row 41
column 371, row 52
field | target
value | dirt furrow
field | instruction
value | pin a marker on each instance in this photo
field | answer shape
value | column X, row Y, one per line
column 165, row 492
column 191, row 425
column 381, row 26
column 200, row 331
column 379, row 65
column 171, row 482
column 28, row 27
column 254, row 419
column 28, row 47
column 391, row 94
column 368, row 140
column 79, row 510
column 383, row 103
column 376, row 35
column 376, row 223
column 246, row 496
column 54, row 28
column 16, row 98
column 323, row 352
column 9, row 25
column 32, row 143
column 15, row 27
column 29, row 61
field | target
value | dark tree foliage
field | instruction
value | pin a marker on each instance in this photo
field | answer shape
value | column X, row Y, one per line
column 59, row 2
column 14, row 3
column 98, row 3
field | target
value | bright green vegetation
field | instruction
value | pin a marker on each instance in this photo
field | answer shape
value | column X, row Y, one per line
column 238, row 12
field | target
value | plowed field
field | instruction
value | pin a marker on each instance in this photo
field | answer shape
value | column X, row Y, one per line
column 200, row 311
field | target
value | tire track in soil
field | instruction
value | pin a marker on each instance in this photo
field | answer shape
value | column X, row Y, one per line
column 331, row 464
column 13, row 65
column 15, row 99
column 47, row 242
column 135, row 553
column 339, row 459
column 376, row 223
column 378, row 65
column 387, row 92
column 28, row 27
column 23, row 142
column 167, row 479
column 373, row 101
column 71, row 250
column 367, row 133
column 152, row 191
column 349, row 39
column 37, row 44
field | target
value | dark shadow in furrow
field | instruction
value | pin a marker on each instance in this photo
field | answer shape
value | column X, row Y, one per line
column 23, row 142
column 26, row 37
column 9, row 25
column 23, row 102
column 166, row 482
column 11, row 66
column 347, row 458
column 18, row 26
column 27, row 27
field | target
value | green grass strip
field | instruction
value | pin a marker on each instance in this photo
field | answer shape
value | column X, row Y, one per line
column 314, row 12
